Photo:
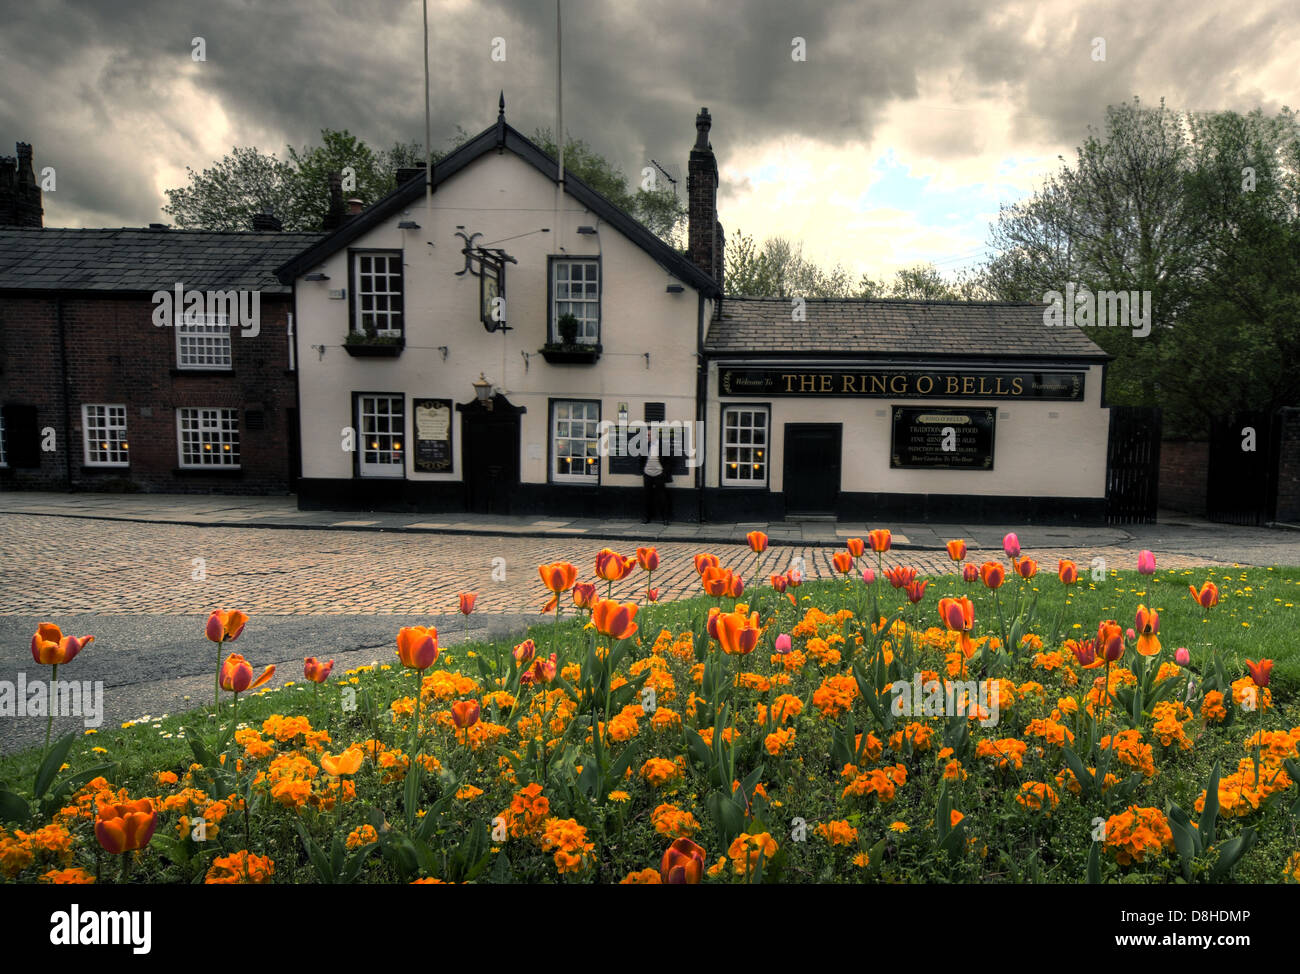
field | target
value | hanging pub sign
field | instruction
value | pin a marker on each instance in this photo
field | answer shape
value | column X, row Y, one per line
column 432, row 435
column 942, row 437
column 492, row 295
column 885, row 383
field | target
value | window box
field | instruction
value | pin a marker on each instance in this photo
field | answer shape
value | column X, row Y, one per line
column 578, row 353
column 361, row 345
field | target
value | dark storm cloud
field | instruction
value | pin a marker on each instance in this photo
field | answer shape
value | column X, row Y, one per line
column 635, row 74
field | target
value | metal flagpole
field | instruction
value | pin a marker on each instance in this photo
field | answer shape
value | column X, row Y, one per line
column 428, row 144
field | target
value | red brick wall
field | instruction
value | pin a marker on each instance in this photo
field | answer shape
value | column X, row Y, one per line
column 1288, row 468
column 1183, row 468
column 117, row 355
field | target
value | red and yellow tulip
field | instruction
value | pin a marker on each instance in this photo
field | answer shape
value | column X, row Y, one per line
column 224, row 627
column 737, row 633
column 1147, row 624
column 1207, row 597
column 993, row 574
column 126, row 826
column 683, row 863
column 880, row 540
column 757, row 542
column 957, row 550
column 316, row 671
column 1067, row 572
column 1260, row 672
column 237, row 675
column 417, row 646
column 51, row 648
column 614, row 619
column 465, row 713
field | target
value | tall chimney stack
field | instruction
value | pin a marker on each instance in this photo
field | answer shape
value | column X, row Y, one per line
column 704, row 232
column 20, row 196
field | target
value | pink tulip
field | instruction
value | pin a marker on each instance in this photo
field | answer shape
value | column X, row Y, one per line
column 1011, row 545
column 868, row 575
column 1146, row 563
column 1130, row 635
column 783, row 644
column 1181, row 656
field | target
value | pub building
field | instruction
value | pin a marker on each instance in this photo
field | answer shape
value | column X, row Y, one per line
column 499, row 345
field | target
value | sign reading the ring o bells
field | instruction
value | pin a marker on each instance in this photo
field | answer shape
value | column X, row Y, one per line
column 938, row 383
column 942, row 437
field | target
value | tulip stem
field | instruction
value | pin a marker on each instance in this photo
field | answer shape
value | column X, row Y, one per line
column 216, row 687
column 49, row 718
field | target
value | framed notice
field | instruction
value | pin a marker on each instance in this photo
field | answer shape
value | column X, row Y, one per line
column 942, row 438
column 433, row 435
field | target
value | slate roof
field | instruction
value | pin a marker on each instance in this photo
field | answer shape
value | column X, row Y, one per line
column 893, row 328
column 495, row 137
column 135, row 260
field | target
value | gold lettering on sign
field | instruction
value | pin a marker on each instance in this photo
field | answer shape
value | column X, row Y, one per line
column 952, row 385
column 806, row 383
column 789, row 382
column 1017, row 386
column 850, row 384
column 968, row 385
column 826, row 383
column 927, row 387
column 893, row 385
column 878, row 383
column 1001, row 391
column 983, row 391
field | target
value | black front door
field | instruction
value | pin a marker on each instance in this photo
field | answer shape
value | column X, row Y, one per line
column 812, row 467
column 490, row 456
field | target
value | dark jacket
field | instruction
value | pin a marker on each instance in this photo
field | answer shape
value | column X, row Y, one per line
column 666, row 462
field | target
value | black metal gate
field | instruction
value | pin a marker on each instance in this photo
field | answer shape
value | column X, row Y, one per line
column 1241, row 483
column 1133, row 465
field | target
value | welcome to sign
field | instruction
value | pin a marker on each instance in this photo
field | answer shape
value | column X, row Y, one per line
column 902, row 383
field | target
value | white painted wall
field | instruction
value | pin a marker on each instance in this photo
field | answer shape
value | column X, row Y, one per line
column 1035, row 453
column 500, row 196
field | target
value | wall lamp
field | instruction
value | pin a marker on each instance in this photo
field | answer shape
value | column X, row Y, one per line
column 318, row 276
column 675, row 289
column 408, row 225
column 443, row 350
column 587, row 231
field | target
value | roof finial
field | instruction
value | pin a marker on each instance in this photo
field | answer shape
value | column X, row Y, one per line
column 501, row 105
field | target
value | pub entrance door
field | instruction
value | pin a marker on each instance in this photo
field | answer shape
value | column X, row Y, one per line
column 811, row 472
column 490, row 454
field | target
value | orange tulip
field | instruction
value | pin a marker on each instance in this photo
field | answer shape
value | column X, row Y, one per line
column 349, row 762
column 843, row 562
column 225, row 626
column 683, row 863
column 648, row 559
column 1067, row 572
column 524, row 654
column 703, row 561
column 464, row 713
column 778, row 582
column 856, row 547
column 417, row 646
column 584, row 595
column 957, row 614
column 1147, row 625
column 736, row 587
column 757, row 541
column 1260, row 672
column 611, row 566
column 716, row 581
column 1025, row 567
column 737, row 633
column 652, row 594
column 558, row 577
column 51, row 647
column 127, row 826
column 1110, row 641
column 1207, row 597
column 467, row 600
column 1085, row 651
column 543, row 671
column 316, row 671
column 993, row 574
column 237, row 675
column 969, row 573
column 900, row 576
column 880, row 540
column 956, row 550
column 614, row 619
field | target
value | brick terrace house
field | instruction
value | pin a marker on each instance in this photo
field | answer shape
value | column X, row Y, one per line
column 95, row 395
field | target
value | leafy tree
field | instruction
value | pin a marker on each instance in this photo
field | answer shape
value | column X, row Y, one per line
column 225, row 196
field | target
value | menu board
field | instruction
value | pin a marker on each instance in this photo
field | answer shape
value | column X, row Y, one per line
column 942, row 437
column 433, row 435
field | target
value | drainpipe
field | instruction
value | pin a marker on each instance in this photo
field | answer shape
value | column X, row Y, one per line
column 701, row 390
column 67, row 411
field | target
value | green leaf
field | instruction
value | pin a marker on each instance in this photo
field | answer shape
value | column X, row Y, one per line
column 1094, row 864
column 1210, row 813
column 698, row 748
column 1185, row 839
column 356, row 861
column 53, row 763
column 171, row 848
column 1087, row 783
column 319, row 861
column 72, row 781
column 1230, row 852
column 13, row 808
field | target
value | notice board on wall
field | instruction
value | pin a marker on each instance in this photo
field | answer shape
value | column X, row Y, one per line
column 433, row 435
column 942, row 437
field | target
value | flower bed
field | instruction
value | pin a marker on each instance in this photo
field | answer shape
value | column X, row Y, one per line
column 987, row 725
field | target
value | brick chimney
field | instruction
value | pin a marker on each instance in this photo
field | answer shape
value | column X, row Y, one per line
column 704, row 232
column 334, row 215
column 20, row 196
column 406, row 173
column 267, row 221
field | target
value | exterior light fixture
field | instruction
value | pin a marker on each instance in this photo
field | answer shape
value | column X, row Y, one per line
column 675, row 289
column 318, row 276
column 587, row 231
column 408, row 225
column 483, row 391
column 443, row 350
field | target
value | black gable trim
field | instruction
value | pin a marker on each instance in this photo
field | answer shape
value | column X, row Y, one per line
column 486, row 141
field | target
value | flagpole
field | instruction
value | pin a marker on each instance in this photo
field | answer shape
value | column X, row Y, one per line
column 428, row 143
column 559, row 93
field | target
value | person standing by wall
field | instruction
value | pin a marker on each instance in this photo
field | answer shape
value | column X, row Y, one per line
column 655, row 474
